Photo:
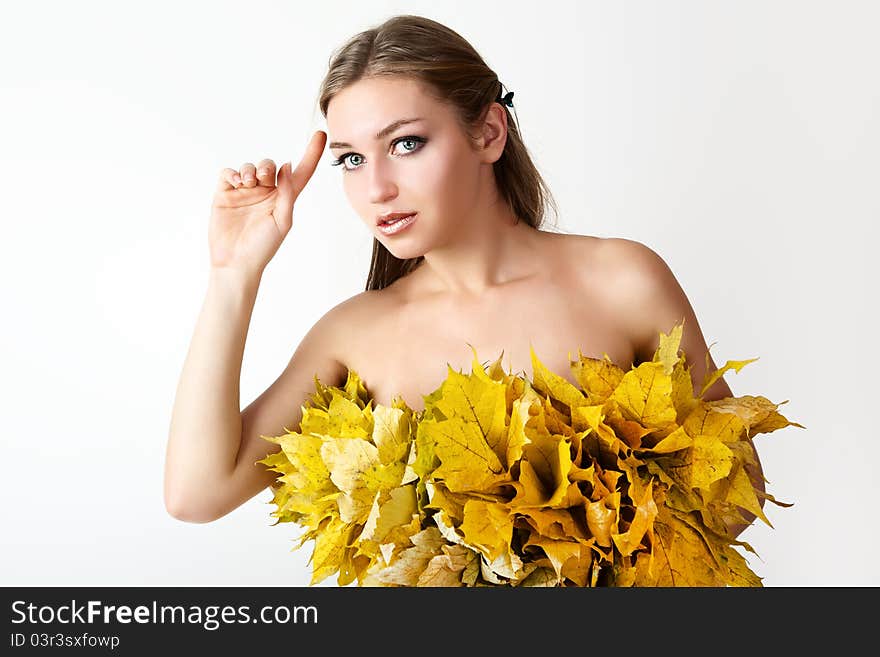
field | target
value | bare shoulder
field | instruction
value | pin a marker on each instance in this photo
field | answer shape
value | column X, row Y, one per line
column 340, row 319
column 635, row 262
column 638, row 285
column 347, row 320
column 653, row 301
column 616, row 265
column 642, row 278
column 639, row 271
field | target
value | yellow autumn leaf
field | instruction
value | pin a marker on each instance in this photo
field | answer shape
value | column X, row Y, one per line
column 622, row 479
column 602, row 517
column 558, row 524
column 552, row 385
column 678, row 439
column 680, row 558
column 557, row 550
column 409, row 565
column 397, row 508
column 544, row 467
column 644, row 395
column 597, row 378
column 709, row 459
column 476, row 401
column 487, row 526
column 330, row 544
column 467, row 461
column 712, row 377
column 446, row 569
column 356, row 470
column 641, row 524
column 667, row 350
column 516, row 431
column 391, row 434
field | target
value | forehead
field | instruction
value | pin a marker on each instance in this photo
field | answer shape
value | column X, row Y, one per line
column 358, row 112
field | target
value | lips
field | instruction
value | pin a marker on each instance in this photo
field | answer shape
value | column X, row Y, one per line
column 392, row 216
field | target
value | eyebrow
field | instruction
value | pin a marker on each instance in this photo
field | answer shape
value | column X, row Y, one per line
column 384, row 132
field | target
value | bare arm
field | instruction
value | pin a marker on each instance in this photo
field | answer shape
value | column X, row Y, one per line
column 251, row 214
column 213, row 447
column 651, row 289
column 205, row 431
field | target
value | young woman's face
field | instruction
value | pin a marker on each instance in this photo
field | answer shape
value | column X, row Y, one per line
column 425, row 166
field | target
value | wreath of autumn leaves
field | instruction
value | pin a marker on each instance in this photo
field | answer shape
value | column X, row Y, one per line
column 627, row 479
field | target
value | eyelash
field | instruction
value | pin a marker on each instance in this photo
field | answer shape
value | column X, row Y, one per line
column 418, row 140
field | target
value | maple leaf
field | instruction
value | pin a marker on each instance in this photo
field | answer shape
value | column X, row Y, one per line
column 356, row 470
column 644, row 395
column 467, row 460
column 412, row 562
column 625, row 479
column 487, row 526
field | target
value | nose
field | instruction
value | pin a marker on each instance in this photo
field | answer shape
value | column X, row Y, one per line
column 381, row 186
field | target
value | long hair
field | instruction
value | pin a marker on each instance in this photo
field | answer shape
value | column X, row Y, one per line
column 448, row 66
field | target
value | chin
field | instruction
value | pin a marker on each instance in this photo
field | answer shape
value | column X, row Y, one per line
column 403, row 253
column 406, row 247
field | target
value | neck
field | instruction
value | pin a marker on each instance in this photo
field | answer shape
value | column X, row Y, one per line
column 487, row 250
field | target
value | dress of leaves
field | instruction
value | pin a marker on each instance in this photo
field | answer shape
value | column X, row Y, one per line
column 627, row 479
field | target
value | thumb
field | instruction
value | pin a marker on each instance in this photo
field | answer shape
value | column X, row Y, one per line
column 284, row 202
column 291, row 183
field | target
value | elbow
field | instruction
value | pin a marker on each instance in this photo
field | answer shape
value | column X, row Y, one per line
column 180, row 509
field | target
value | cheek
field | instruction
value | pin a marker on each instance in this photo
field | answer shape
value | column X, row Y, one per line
column 356, row 196
column 443, row 182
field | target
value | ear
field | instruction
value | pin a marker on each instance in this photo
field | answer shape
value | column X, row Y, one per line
column 493, row 134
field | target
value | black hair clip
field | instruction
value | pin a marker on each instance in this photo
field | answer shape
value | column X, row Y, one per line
column 507, row 99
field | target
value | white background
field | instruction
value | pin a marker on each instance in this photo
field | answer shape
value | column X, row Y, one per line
column 738, row 140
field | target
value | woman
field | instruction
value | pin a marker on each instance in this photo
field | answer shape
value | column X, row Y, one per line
column 422, row 133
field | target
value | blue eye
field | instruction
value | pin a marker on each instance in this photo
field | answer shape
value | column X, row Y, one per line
column 412, row 144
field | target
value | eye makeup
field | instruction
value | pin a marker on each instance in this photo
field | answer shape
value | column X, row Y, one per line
column 419, row 141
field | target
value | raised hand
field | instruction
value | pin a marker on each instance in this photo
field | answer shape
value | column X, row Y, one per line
column 252, row 213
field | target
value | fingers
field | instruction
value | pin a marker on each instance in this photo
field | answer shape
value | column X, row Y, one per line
column 266, row 173
column 229, row 179
column 248, row 176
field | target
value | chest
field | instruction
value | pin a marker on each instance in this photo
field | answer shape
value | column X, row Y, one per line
column 405, row 350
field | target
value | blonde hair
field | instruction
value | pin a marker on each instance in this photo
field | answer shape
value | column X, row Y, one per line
column 449, row 68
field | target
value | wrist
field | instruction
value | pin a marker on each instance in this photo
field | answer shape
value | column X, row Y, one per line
column 234, row 279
